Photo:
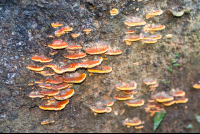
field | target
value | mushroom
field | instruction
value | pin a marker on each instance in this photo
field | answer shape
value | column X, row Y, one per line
column 124, row 97
column 75, row 35
column 60, row 86
column 35, row 68
column 169, row 35
column 114, row 11
column 54, row 80
column 73, row 47
column 99, row 109
column 99, row 49
column 113, row 52
column 36, row 94
column 100, row 69
column 55, row 25
column 74, row 78
column 67, row 29
column 74, row 56
column 196, row 86
column 53, row 52
column 181, row 100
column 149, row 41
column 41, row 59
column 108, row 109
column 49, row 92
column 169, row 103
column 59, row 32
column 47, row 121
column 135, row 103
column 154, row 13
column 87, row 31
column 109, row 103
column 58, row 44
column 139, row 127
column 163, row 97
column 133, row 92
column 150, row 81
column 44, row 85
column 130, row 32
column 152, row 27
column 64, row 94
column 54, row 104
column 133, row 21
column 125, row 86
column 90, row 63
column 134, row 122
column 155, row 37
column 46, row 73
column 177, row 93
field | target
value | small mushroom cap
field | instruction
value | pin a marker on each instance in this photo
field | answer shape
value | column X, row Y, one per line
column 59, row 32
column 67, row 29
column 100, row 49
column 44, row 85
column 150, row 82
column 153, row 85
column 64, row 94
column 65, row 68
column 133, row 122
column 125, row 86
column 53, row 52
column 163, row 97
column 36, row 94
column 113, row 52
column 114, row 11
column 87, row 30
column 53, row 80
column 177, row 93
column 152, row 27
column 75, row 35
column 154, row 13
column 169, row 103
column 149, row 41
column 75, row 78
column 109, row 103
column 74, row 47
column 100, row 69
column 181, row 100
column 58, row 44
column 98, row 109
column 35, row 68
column 55, row 25
column 130, row 32
column 54, row 105
column 131, row 92
column 49, row 92
column 135, row 103
column 155, row 37
column 46, row 73
column 47, row 121
column 124, row 97
column 131, row 38
column 196, row 86
column 90, row 63
column 60, row 86
column 133, row 21
column 74, row 56
column 139, row 127
column 108, row 109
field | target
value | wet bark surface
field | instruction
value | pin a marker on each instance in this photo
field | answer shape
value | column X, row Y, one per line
column 25, row 26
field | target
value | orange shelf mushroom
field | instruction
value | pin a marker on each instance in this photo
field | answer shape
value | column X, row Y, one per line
column 53, row 52
column 181, row 100
column 36, row 94
column 67, row 29
column 169, row 103
column 74, row 78
column 44, row 85
column 59, row 32
column 87, row 31
column 41, row 59
column 114, row 11
column 163, row 97
column 154, row 13
column 139, row 127
column 49, row 92
column 123, row 97
column 47, row 121
column 177, row 93
column 155, row 37
column 149, row 41
column 54, row 80
column 109, row 103
column 55, row 25
column 152, row 27
column 135, row 103
column 134, row 21
column 35, row 68
column 64, row 94
column 196, row 86
column 99, row 49
column 125, row 86
column 128, row 39
column 63, row 68
column 150, row 82
column 130, row 32
column 134, row 122
column 113, row 52
column 75, row 35
column 75, row 56
column 58, row 44
column 100, row 69
column 54, row 104
column 100, row 110
column 73, row 47
column 46, row 73
column 90, row 63
column 133, row 92
column 60, row 86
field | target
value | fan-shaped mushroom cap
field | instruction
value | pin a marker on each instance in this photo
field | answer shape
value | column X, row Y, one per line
column 100, row 69
column 98, row 109
column 36, row 94
column 155, row 37
column 149, row 41
column 74, row 78
column 124, row 97
column 44, row 85
column 58, row 44
column 49, row 92
column 163, row 97
column 47, row 121
column 168, row 103
column 114, row 11
column 196, row 86
column 177, row 93
column 87, row 31
column 67, row 29
column 75, row 35
column 113, row 52
column 99, row 49
column 90, row 63
column 133, row 122
column 109, row 103
column 64, row 94
column 35, row 68
column 73, row 47
column 131, row 38
column 135, row 103
column 46, row 73
column 109, row 109
column 125, row 86
column 181, row 100
column 154, row 13
column 59, row 32
column 139, row 127
column 130, row 92
column 55, row 25
column 133, row 21
column 74, row 56
column 54, row 80
column 60, row 86
column 152, row 27
column 65, row 68
column 54, row 105
column 130, row 32
column 150, row 81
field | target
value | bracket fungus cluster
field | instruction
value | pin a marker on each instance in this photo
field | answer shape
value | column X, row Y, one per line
column 135, row 122
column 151, row 83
